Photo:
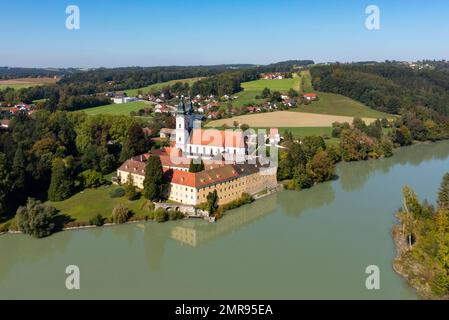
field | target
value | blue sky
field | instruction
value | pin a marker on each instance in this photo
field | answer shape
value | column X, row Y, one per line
column 193, row 32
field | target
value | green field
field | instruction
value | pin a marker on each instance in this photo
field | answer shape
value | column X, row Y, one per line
column 87, row 204
column 118, row 109
column 17, row 86
column 134, row 92
column 253, row 88
column 338, row 105
column 301, row 132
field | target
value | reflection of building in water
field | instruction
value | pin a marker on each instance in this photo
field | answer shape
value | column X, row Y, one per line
column 198, row 233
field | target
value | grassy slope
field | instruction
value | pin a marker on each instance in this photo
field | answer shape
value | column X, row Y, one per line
column 86, row 205
column 254, row 88
column 117, row 109
column 328, row 103
column 133, row 92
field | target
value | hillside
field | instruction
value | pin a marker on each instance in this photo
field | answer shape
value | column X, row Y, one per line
column 387, row 87
column 157, row 86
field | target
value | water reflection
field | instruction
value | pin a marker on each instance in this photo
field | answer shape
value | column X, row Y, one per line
column 197, row 233
column 21, row 249
column 353, row 176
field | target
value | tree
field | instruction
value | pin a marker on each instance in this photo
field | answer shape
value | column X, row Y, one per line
column 136, row 143
column 4, row 185
column 196, row 165
column 312, row 144
column 19, row 169
column 443, row 193
column 61, row 184
column 108, row 164
column 154, row 179
column 402, row 136
column 322, row 167
column 91, row 179
column 265, row 93
column 120, row 214
column 358, row 123
column 292, row 93
column 130, row 190
column 36, row 219
column 212, row 202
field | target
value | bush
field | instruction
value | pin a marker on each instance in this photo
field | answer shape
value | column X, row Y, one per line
column 36, row 219
column 160, row 215
column 4, row 228
column 91, row 179
column 147, row 206
column 98, row 221
column 117, row 193
column 120, row 214
column 175, row 215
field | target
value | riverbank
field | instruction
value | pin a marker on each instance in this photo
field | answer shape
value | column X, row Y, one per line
column 405, row 264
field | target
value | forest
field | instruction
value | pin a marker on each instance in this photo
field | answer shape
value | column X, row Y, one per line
column 389, row 87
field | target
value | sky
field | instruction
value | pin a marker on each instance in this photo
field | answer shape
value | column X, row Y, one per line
column 119, row 33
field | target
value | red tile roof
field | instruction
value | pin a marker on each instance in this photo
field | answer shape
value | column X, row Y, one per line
column 217, row 138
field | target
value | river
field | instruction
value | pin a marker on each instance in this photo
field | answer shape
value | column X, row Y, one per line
column 314, row 244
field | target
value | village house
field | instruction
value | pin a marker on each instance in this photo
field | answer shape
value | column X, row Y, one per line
column 5, row 123
column 310, row 96
column 271, row 76
column 166, row 133
column 119, row 99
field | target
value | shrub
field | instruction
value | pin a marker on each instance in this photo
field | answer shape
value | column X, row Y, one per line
column 117, row 193
column 147, row 206
column 98, row 221
column 175, row 215
column 4, row 228
column 160, row 215
column 120, row 214
column 91, row 179
column 36, row 219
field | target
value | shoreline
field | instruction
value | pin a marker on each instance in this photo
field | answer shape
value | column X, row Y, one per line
column 256, row 197
column 408, row 269
column 278, row 188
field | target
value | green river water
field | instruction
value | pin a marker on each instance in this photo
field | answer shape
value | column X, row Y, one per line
column 313, row 244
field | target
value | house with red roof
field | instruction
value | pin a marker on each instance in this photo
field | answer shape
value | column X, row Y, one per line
column 310, row 96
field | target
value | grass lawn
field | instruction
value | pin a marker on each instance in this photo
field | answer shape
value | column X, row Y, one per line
column 134, row 92
column 87, row 204
column 118, row 109
column 301, row 132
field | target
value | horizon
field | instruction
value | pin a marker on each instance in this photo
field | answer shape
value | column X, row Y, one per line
column 175, row 33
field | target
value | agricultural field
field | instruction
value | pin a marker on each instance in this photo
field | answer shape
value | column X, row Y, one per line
column 25, row 82
column 134, row 92
column 285, row 119
column 252, row 89
column 118, row 109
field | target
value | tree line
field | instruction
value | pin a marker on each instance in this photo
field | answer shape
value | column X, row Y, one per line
column 389, row 87
column 54, row 155
column 423, row 242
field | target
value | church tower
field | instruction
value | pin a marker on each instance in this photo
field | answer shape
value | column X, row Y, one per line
column 182, row 126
